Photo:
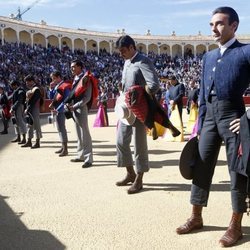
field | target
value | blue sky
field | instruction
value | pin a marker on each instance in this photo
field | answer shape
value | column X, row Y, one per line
column 161, row 17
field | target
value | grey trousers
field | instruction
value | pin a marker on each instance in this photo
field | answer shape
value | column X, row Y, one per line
column 61, row 128
column 36, row 127
column 123, row 140
column 20, row 127
column 84, row 140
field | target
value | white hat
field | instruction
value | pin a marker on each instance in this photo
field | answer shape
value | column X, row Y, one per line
column 124, row 114
column 2, row 85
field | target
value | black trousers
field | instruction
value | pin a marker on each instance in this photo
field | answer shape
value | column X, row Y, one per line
column 180, row 107
column 215, row 130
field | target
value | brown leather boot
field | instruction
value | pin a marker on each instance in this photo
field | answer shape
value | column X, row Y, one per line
column 130, row 177
column 27, row 144
column 193, row 223
column 233, row 233
column 137, row 184
column 64, row 149
column 37, row 144
column 18, row 139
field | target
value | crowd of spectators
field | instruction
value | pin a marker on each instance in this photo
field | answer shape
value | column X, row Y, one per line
column 17, row 61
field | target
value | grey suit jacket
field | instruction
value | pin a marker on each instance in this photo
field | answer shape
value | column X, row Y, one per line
column 139, row 71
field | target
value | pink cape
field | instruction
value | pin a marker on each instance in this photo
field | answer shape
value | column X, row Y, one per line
column 100, row 119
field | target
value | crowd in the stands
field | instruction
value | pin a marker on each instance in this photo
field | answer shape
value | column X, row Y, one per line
column 17, row 61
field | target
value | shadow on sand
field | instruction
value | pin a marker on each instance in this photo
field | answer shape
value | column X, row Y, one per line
column 15, row 235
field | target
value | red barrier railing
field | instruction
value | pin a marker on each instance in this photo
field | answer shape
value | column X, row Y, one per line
column 111, row 103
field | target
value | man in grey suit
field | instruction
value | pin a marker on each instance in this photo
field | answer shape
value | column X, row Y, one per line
column 61, row 92
column 78, row 104
column 225, row 77
column 138, row 70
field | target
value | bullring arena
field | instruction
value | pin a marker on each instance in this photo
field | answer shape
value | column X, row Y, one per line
column 47, row 202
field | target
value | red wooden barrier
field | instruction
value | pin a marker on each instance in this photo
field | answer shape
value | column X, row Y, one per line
column 111, row 103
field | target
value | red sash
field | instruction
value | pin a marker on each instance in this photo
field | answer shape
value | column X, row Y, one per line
column 145, row 108
column 60, row 90
column 84, row 83
column 137, row 102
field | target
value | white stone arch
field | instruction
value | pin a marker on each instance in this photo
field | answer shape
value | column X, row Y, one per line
column 92, row 45
column 153, row 48
column 79, row 44
column 53, row 41
column 10, row 35
column 212, row 46
column 104, row 45
column 200, row 49
column 11, row 30
column 114, row 49
column 141, row 47
column 188, row 50
column 164, row 49
column 177, row 50
column 39, row 39
column 66, row 42
column 25, row 37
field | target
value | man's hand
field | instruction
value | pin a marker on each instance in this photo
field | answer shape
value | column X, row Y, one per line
column 148, row 90
column 51, row 106
column 69, row 107
column 235, row 126
column 172, row 102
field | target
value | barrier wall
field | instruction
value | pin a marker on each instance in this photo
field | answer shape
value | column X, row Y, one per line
column 111, row 103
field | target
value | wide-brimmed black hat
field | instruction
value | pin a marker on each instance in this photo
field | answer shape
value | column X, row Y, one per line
column 188, row 158
column 29, row 119
column 68, row 114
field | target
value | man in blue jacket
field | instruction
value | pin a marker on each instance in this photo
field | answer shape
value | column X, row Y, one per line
column 176, row 92
column 225, row 77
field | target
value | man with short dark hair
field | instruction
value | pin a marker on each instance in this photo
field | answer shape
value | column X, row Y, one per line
column 225, row 76
column 192, row 96
column 61, row 92
column 176, row 92
column 79, row 101
column 138, row 70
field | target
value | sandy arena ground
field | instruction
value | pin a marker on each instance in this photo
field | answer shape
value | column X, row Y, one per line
column 47, row 202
